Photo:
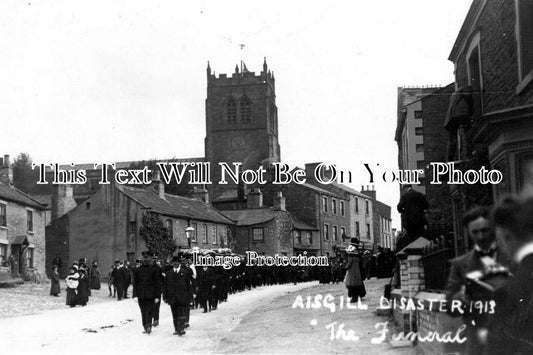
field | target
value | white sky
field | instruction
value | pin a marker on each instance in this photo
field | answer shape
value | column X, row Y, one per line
column 95, row 81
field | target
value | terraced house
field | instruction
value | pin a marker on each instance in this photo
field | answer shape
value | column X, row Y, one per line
column 22, row 221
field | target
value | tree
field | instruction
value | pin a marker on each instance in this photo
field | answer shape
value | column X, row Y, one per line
column 156, row 236
column 24, row 177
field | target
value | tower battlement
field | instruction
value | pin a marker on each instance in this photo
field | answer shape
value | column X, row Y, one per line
column 241, row 76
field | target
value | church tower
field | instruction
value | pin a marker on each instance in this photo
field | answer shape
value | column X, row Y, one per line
column 241, row 126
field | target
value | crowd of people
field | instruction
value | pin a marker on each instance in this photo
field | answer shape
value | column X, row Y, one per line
column 80, row 280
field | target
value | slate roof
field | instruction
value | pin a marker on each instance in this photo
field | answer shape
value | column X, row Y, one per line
column 45, row 200
column 302, row 225
column 249, row 217
column 319, row 190
column 176, row 206
column 13, row 194
column 349, row 190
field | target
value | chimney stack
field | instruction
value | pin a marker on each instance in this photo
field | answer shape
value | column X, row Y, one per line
column 62, row 200
column 279, row 202
column 158, row 185
column 254, row 199
column 199, row 193
column 6, row 171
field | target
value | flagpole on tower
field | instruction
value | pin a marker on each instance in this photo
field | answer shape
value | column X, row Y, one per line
column 242, row 47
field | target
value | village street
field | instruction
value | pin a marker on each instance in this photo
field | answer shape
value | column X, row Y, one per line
column 263, row 320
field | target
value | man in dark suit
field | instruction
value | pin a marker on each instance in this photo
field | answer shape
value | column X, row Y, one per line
column 471, row 273
column 511, row 329
column 178, row 292
column 156, row 263
column 119, row 279
column 206, row 287
column 413, row 206
column 147, row 289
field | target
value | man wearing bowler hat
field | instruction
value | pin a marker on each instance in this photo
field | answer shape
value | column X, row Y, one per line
column 147, row 289
column 178, row 292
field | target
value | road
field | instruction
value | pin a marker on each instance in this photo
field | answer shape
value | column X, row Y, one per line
column 273, row 319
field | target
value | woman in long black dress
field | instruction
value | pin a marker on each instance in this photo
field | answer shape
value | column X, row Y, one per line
column 95, row 276
column 84, row 287
column 55, row 290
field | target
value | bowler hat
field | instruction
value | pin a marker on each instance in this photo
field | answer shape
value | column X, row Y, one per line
column 176, row 259
column 354, row 242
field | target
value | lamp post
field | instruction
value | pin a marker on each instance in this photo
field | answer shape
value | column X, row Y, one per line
column 188, row 232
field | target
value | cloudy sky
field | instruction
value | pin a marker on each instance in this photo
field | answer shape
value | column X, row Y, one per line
column 96, row 81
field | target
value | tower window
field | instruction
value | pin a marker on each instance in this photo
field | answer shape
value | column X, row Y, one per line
column 246, row 109
column 231, row 110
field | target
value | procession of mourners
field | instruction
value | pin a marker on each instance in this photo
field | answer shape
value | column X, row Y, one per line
column 175, row 281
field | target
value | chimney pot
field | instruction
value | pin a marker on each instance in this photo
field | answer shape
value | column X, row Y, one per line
column 6, row 172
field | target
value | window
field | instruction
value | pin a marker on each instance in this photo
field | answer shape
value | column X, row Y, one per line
column 474, row 73
column 225, row 236
column 30, row 220
column 213, row 235
column 309, row 236
column 357, row 229
column 87, row 205
column 246, row 109
column 368, row 231
column 231, row 110
column 3, row 215
column 342, row 208
column 29, row 257
column 419, row 131
column 333, row 206
column 132, row 227
column 343, row 233
column 203, row 233
column 418, row 115
column 3, row 254
column 525, row 40
column 367, row 207
column 335, row 233
column 420, row 148
column 257, row 235
column 169, row 227
column 298, row 237
column 194, row 232
column 356, row 204
column 326, row 232
column 325, row 204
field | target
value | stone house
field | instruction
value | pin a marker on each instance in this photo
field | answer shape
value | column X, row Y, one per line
column 326, row 211
column 265, row 230
column 22, row 224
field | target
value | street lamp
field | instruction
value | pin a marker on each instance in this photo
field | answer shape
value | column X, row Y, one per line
column 188, row 232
